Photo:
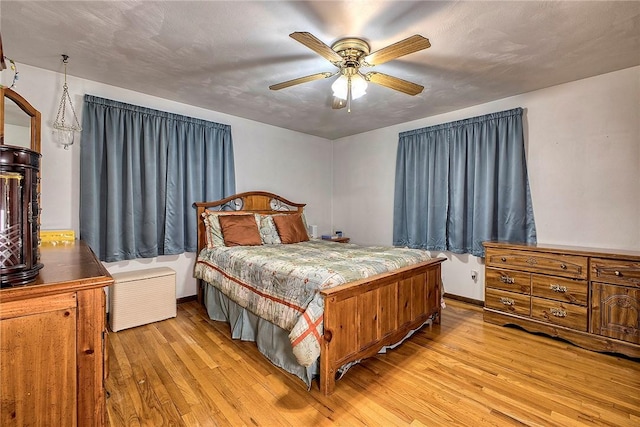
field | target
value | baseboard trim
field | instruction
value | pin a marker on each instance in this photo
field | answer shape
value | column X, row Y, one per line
column 186, row 299
column 465, row 299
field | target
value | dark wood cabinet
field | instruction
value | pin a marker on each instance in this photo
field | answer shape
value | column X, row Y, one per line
column 19, row 215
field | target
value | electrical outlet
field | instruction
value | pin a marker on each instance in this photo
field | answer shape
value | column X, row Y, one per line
column 474, row 274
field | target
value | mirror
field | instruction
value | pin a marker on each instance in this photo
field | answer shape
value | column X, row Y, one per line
column 19, row 122
column 17, row 125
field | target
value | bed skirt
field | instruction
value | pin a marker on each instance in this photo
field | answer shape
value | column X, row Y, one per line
column 272, row 341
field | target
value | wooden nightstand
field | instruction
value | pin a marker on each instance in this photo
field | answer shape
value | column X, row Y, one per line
column 339, row 240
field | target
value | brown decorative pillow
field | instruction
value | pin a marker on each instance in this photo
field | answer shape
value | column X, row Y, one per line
column 291, row 228
column 240, row 230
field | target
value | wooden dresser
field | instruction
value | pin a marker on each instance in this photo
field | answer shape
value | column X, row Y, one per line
column 52, row 342
column 590, row 297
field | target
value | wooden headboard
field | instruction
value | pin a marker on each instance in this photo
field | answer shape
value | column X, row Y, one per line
column 242, row 203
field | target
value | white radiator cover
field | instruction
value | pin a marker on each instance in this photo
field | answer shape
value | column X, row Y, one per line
column 140, row 297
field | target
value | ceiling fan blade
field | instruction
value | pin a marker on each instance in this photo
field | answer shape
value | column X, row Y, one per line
column 313, row 43
column 404, row 47
column 338, row 103
column 299, row 80
column 394, row 83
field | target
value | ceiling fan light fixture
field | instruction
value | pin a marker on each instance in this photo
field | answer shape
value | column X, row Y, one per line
column 341, row 86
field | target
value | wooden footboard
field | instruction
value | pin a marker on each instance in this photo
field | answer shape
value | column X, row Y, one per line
column 362, row 317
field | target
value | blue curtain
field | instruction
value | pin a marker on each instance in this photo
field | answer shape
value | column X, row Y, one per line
column 461, row 183
column 140, row 172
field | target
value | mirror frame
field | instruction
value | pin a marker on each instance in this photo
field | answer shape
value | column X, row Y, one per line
column 28, row 109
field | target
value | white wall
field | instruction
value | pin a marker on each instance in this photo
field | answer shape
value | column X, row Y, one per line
column 583, row 151
column 266, row 158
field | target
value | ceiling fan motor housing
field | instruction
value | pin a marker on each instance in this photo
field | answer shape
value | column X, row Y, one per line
column 353, row 50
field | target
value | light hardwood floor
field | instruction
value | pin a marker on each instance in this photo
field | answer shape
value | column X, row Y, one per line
column 188, row 372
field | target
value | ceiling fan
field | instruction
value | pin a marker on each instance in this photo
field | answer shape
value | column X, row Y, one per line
column 351, row 54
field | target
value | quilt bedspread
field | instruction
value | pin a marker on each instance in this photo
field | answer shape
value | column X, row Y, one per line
column 280, row 283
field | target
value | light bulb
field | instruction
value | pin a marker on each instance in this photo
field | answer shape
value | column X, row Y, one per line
column 339, row 87
column 358, row 86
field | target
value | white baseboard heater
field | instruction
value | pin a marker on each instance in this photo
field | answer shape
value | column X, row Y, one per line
column 141, row 297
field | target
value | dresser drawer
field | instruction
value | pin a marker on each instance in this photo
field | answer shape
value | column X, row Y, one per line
column 559, row 289
column 509, row 302
column 559, row 313
column 574, row 266
column 625, row 273
column 506, row 280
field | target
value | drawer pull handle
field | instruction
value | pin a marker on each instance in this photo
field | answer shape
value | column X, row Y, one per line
column 503, row 259
column 508, row 280
column 563, row 266
column 507, row 301
column 558, row 288
column 558, row 312
column 617, row 273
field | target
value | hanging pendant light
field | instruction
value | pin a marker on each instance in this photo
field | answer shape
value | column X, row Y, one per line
column 65, row 133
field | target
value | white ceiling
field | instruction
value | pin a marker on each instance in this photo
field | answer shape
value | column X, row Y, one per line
column 223, row 55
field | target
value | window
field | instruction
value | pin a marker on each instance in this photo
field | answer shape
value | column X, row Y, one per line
column 461, row 183
column 141, row 170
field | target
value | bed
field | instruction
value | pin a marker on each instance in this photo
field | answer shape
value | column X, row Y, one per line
column 313, row 307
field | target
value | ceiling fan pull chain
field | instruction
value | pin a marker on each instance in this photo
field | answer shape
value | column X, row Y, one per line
column 348, row 94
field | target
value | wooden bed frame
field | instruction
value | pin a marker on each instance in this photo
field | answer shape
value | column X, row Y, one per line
column 360, row 317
